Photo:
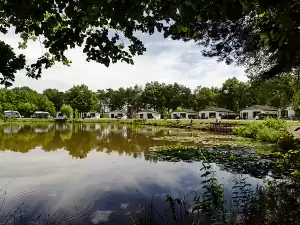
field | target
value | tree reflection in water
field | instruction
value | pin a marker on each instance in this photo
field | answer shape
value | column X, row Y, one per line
column 79, row 139
column 274, row 202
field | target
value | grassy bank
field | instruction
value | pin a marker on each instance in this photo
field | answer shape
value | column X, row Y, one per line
column 245, row 128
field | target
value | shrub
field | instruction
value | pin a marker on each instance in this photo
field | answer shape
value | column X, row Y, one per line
column 66, row 110
column 275, row 124
column 270, row 130
column 105, row 115
column 248, row 130
column 179, row 109
column 268, row 134
column 288, row 142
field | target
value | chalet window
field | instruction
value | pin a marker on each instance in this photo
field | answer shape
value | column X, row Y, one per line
column 255, row 113
column 212, row 115
column 183, row 115
column 245, row 115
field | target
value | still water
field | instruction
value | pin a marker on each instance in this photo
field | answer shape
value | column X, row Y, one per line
column 92, row 173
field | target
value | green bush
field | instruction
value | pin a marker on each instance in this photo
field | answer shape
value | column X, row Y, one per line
column 288, row 142
column 270, row 130
column 66, row 110
column 248, row 130
column 275, row 124
column 268, row 134
column 106, row 115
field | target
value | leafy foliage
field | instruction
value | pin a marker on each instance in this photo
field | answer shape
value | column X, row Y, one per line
column 57, row 97
column 9, row 61
column 261, row 35
column 25, row 100
column 81, row 98
column 27, row 109
column 268, row 134
column 270, row 130
column 66, row 110
column 233, row 94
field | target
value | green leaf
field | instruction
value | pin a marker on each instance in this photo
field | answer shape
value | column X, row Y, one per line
column 121, row 46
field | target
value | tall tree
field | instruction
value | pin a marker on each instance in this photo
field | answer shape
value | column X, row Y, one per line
column 181, row 97
column 277, row 92
column 57, row 97
column 82, row 99
column 133, row 98
column 116, row 98
column 205, row 97
column 153, row 96
column 232, row 94
column 103, row 100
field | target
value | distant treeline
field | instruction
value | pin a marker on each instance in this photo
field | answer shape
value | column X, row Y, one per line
column 233, row 95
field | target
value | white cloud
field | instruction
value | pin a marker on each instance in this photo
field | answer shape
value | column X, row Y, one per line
column 165, row 61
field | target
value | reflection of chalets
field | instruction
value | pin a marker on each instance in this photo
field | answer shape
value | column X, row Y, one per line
column 12, row 129
column 43, row 129
column 62, row 126
column 90, row 127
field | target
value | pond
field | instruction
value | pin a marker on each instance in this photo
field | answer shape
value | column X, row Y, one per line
column 103, row 174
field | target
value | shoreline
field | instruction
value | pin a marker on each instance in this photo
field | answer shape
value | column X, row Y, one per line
column 198, row 124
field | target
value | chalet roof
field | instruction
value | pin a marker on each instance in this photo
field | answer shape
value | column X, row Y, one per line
column 185, row 111
column 41, row 112
column 147, row 111
column 216, row 109
column 118, row 111
column 261, row 107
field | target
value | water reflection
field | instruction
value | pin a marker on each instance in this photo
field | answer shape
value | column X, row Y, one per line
column 80, row 139
column 101, row 187
column 113, row 179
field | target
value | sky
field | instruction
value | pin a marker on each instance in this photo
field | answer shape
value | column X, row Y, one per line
column 166, row 61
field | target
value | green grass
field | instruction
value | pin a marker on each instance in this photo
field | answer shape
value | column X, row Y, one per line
column 203, row 124
column 30, row 120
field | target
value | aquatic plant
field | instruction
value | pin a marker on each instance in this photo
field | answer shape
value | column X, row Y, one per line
column 241, row 160
column 275, row 202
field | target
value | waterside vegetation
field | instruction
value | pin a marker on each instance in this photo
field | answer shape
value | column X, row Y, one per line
column 270, row 130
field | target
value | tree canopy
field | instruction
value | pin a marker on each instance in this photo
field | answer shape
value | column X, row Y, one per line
column 82, row 99
column 25, row 100
column 261, row 35
column 281, row 92
column 57, row 97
